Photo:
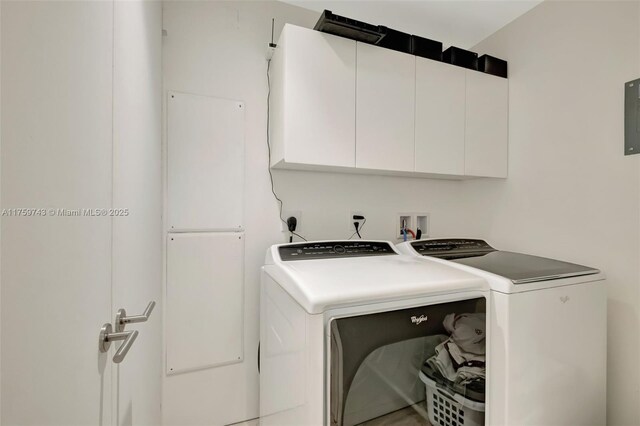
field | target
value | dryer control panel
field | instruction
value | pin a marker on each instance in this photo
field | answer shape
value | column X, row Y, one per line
column 452, row 248
column 334, row 249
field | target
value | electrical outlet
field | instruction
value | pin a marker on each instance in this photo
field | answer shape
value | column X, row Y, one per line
column 287, row 214
column 350, row 220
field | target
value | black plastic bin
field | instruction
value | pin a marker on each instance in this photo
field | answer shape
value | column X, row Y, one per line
column 460, row 57
column 491, row 65
column 426, row 48
column 349, row 28
column 395, row 40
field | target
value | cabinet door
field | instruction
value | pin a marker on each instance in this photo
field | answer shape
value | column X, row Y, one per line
column 385, row 94
column 486, row 141
column 440, row 117
column 319, row 97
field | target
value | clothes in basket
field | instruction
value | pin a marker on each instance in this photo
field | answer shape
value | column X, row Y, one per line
column 461, row 358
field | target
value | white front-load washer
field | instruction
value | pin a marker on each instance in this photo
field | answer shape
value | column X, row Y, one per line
column 548, row 326
column 346, row 327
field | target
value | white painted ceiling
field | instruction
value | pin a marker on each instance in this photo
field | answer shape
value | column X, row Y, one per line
column 462, row 23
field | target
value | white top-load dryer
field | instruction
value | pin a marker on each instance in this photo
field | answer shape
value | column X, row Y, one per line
column 548, row 332
column 346, row 327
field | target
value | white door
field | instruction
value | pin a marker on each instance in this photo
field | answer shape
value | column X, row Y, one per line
column 70, row 143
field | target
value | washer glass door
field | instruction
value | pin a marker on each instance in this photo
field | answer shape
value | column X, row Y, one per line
column 418, row 366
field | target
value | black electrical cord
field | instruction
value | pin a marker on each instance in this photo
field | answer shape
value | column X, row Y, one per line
column 273, row 191
column 356, row 224
column 299, row 236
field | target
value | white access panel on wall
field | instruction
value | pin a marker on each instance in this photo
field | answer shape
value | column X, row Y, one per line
column 205, row 163
column 204, row 300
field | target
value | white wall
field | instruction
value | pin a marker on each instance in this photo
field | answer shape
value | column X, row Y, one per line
column 218, row 49
column 571, row 193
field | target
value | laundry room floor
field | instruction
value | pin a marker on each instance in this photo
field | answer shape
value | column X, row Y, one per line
column 414, row 415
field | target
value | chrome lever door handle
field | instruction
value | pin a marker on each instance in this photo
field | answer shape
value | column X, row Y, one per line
column 122, row 319
column 107, row 336
column 130, row 337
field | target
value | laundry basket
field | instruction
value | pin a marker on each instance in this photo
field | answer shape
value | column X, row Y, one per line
column 448, row 408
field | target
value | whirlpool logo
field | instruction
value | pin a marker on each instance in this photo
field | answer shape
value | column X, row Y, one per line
column 418, row 320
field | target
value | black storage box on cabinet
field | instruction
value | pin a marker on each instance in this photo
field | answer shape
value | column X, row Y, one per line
column 491, row 65
column 460, row 57
column 426, row 48
column 348, row 28
column 395, row 40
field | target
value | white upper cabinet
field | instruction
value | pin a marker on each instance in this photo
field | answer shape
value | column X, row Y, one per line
column 487, row 139
column 385, row 94
column 313, row 99
column 440, row 118
column 339, row 105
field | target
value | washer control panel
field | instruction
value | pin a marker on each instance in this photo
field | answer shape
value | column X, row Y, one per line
column 452, row 248
column 334, row 249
